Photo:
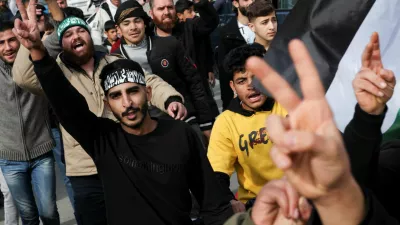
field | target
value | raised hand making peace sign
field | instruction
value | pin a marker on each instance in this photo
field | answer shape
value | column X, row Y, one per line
column 307, row 144
column 27, row 30
column 373, row 85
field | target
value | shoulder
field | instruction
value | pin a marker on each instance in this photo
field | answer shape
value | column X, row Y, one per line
column 278, row 109
column 222, row 121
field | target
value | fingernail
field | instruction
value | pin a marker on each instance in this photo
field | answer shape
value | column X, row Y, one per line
column 290, row 140
column 296, row 214
column 380, row 94
column 383, row 84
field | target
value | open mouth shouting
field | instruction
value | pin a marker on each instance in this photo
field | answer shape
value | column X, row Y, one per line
column 78, row 46
column 254, row 97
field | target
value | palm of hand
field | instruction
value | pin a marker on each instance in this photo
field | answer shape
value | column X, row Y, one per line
column 32, row 32
column 27, row 30
column 315, row 116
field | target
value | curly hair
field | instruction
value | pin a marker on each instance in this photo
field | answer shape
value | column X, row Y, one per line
column 236, row 59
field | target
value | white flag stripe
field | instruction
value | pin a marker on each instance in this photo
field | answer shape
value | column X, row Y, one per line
column 383, row 18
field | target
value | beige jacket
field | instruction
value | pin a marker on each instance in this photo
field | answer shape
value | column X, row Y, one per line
column 78, row 162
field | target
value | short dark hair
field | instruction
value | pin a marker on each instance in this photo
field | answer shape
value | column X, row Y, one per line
column 235, row 61
column 6, row 25
column 75, row 12
column 182, row 5
column 260, row 8
column 109, row 25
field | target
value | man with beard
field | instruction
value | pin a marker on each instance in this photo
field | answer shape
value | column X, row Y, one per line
column 26, row 158
column 166, row 57
column 233, row 35
column 5, row 12
column 81, row 65
column 189, row 32
column 147, row 166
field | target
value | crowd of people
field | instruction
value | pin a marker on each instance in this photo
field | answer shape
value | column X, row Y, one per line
column 121, row 102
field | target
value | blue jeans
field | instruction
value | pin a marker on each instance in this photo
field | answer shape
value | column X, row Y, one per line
column 27, row 180
column 61, row 165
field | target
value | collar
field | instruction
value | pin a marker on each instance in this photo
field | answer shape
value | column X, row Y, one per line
column 236, row 107
column 7, row 67
column 146, row 40
column 143, row 43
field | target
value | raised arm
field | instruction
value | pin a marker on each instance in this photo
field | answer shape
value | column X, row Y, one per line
column 208, row 20
column 70, row 107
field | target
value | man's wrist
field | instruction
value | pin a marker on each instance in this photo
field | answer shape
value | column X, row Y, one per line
column 348, row 201
column 38, row 52
column 377, row 111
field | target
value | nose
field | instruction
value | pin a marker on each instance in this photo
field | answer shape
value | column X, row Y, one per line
column 8, row 46
column 250, row 84
column 126, row 101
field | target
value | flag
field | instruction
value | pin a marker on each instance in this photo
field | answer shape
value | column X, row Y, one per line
column 326, row 27
column 382, row 18
column 336, row 33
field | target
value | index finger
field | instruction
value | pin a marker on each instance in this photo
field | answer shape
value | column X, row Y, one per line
column 32, row 10
column 366, row 55
column 22, row 10
column 310, row 82
column 273, row 82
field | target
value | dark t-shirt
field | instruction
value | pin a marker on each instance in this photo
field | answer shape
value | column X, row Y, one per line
column 146, row 178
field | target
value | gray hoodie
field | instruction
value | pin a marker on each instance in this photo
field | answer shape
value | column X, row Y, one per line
column 25, row 131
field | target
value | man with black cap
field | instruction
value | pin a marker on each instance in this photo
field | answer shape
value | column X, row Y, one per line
column 147, row 166
column 166, row 57
column 82, row 65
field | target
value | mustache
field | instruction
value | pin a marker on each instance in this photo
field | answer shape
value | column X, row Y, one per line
column 131, row 108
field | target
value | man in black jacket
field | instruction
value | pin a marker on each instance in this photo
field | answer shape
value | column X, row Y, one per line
column 204, row 56
column 233, row 35
column 166, row 57
column 147, row 166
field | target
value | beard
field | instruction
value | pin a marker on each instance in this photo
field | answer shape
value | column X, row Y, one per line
column 79, row 60
column 143, row 109
column 165, row 26
column 243, row 10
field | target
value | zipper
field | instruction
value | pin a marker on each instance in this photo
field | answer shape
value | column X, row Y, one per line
column 22, row 122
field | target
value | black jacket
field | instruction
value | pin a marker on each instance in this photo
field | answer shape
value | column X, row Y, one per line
column 230, row 38
column 168, row 60
column 193, row 31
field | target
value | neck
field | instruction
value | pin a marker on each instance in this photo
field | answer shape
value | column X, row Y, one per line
column 89, row 67
column 131, row 43
column 111, row 41
column 242, row 19
column 262, row 42
column 148, row 125
column 246, row 107
column 162, row 33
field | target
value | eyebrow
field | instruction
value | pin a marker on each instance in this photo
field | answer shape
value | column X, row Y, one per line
column 134, row 88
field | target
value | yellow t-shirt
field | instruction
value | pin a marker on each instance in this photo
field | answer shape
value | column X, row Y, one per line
column 239, row 141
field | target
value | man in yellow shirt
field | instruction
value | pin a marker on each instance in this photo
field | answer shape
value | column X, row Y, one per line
column 239, row 141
